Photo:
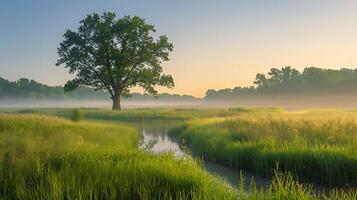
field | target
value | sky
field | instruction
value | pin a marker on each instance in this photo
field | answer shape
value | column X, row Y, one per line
column 217, row 43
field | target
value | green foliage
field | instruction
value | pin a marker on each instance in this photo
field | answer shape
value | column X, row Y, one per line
column 77, row 115
column 110, row 175
column 284, row 186
column 316, row 147
column 30, row 89
column 164, row 97
column 52, row 158
column 287, row 80
column 115, row 55
column 37, row 133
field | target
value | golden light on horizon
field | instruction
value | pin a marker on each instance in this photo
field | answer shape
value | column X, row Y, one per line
column 216, row 44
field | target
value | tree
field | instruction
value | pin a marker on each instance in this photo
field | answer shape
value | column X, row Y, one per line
column 113, row 54
column 289, row 74
column 260, row 80
column 276, row 76
column 3, row 85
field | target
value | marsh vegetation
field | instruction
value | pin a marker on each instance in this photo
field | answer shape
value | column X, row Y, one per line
column 52, row 158
column 47, row 155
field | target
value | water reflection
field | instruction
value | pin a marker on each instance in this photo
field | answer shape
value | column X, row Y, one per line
column 157, row 141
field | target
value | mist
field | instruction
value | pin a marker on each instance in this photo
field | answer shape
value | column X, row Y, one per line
column 282, row 101
column 127, row 104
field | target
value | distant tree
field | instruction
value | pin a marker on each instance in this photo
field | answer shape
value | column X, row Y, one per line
column 3, row 85
column 276, row 76
column 115, row 55
column 23, row 83
column 210, row 93
column 260, row 80
column 289, row 74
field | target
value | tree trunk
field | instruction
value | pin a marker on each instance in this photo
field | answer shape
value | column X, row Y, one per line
column 116, row 102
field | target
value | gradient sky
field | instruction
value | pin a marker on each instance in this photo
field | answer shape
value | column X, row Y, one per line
column 218, row 43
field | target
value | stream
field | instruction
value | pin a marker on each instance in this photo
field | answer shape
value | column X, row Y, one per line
column 158, row 141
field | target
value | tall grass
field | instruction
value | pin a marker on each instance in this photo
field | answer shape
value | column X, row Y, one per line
column 52, row 158
column 25, row 135
column 109, row 175
column 284, row 186
column 317, row 147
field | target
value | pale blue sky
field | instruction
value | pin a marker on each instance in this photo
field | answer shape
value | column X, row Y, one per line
column 218, row 43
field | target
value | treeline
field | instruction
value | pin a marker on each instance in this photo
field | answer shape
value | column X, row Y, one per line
column 30, row 89
column 311, row 81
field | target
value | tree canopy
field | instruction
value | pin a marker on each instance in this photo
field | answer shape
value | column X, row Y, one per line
column 115, row 55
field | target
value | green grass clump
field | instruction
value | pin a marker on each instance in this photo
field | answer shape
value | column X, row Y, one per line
column 52, row 158
column 314, row 147
column 76, row 115
column 284, row 186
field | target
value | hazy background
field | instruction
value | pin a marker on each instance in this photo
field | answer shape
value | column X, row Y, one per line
column 218, row 44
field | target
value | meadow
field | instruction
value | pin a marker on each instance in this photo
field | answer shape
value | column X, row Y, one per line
column 93, row 154
column 52, row 158
column 314, row 147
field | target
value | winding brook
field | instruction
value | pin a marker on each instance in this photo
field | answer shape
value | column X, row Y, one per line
column 158, row 141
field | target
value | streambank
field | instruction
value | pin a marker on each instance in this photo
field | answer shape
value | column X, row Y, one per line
column 158, row 141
